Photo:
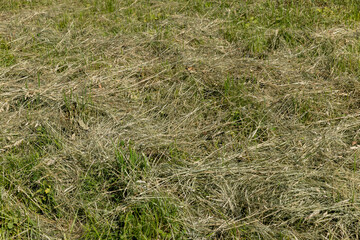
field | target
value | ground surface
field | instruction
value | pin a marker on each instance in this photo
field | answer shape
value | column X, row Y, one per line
column 179, row 119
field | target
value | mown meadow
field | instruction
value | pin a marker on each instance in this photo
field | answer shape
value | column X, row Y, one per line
column 186, row 119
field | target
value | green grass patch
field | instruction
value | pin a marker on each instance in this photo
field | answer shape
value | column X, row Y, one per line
column 155, row 218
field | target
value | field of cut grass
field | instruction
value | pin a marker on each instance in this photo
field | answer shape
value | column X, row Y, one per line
column 198, row 119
